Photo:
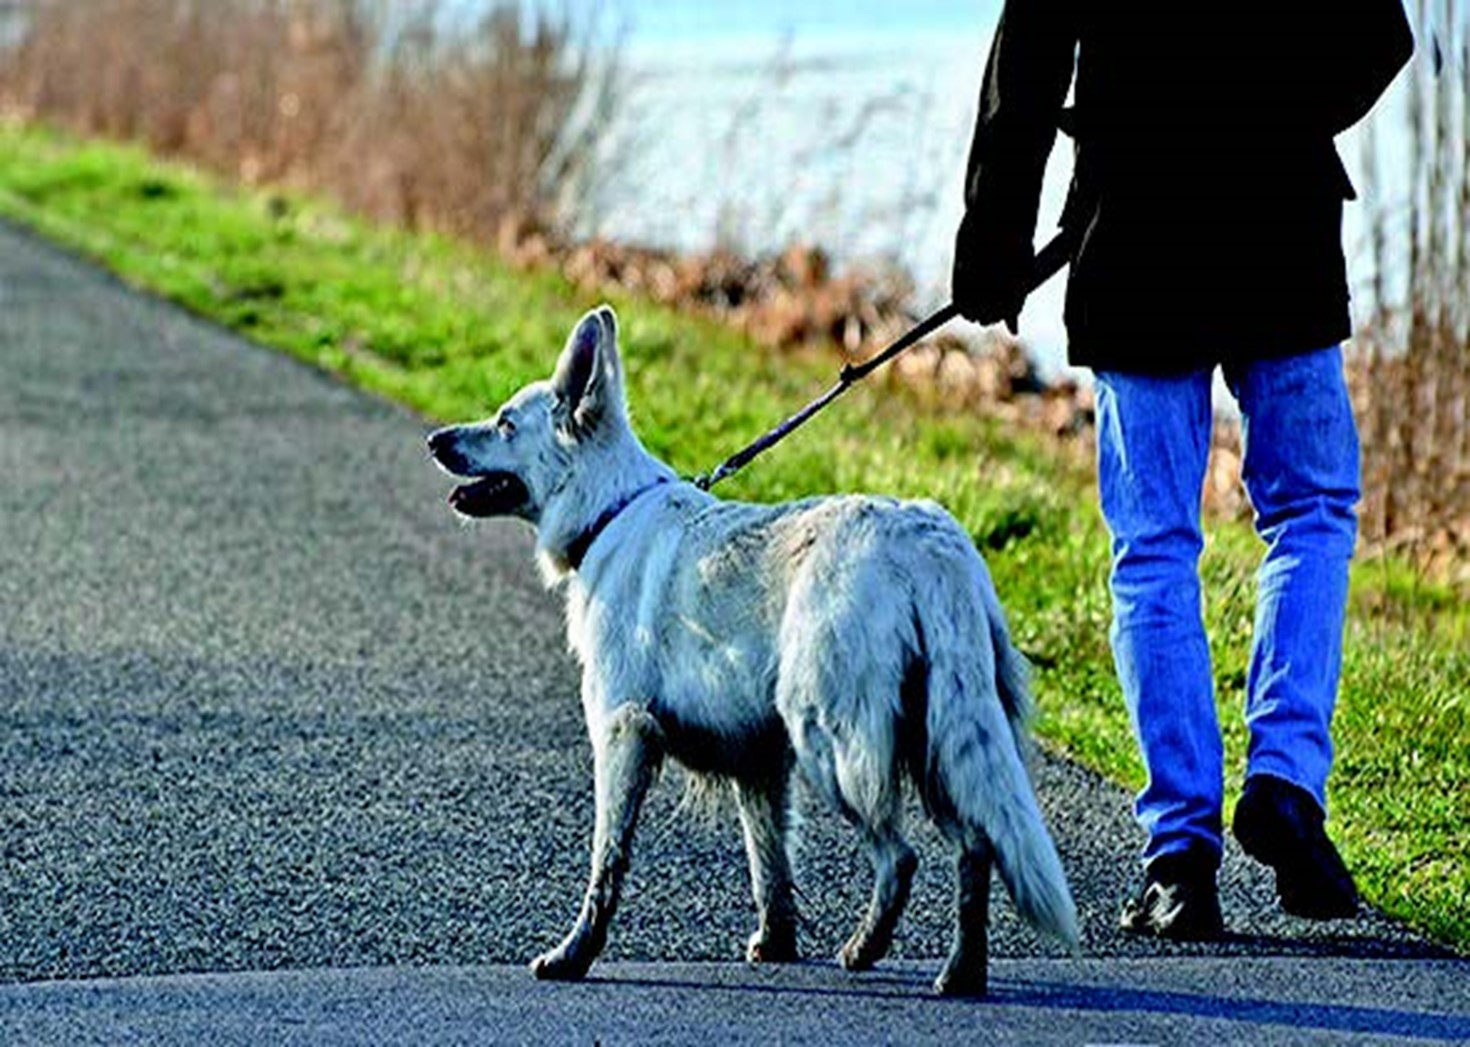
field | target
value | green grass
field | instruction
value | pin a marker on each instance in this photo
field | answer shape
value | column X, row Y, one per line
column 450, row 331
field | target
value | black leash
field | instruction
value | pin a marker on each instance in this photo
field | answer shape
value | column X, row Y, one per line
column 1048, row 261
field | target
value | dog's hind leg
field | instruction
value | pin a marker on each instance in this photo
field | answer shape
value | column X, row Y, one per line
column 967, row 969
column 765, row 815
column 894, row 863
column 626, row 755
column 861, row 782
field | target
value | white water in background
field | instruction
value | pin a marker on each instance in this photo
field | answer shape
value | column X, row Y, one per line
column 847, row 128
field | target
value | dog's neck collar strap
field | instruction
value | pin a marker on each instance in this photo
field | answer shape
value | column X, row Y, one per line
column 579, row 547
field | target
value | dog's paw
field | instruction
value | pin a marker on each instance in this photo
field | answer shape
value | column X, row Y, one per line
column 769, row 947
column 854, row 958
column 863, row 950
column 560, row 965
column 962, row 978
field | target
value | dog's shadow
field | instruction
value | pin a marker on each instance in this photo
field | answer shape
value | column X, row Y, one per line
column 1077, row 995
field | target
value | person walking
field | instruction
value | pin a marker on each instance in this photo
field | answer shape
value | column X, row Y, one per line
column 1205, row 210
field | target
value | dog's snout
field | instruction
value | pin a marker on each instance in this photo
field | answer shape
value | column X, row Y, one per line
column 444, row 443
column 444, row 449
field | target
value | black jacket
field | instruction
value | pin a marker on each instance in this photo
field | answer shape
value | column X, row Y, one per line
column 1207, row 195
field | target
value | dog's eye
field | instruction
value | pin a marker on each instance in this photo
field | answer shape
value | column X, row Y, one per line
column 505, row 427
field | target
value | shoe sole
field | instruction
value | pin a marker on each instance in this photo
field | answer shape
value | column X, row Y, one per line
column 1172, row 929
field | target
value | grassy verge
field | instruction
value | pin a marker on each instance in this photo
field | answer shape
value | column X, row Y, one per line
column 450, row 332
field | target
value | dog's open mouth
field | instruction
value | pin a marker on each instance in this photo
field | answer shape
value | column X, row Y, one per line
column 495, row 494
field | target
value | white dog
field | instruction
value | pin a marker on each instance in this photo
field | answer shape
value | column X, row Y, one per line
column 856, row 638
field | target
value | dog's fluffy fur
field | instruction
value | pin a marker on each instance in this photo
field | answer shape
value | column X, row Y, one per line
column 858, row 639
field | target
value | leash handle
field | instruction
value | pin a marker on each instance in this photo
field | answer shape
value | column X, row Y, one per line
column 1047, row 262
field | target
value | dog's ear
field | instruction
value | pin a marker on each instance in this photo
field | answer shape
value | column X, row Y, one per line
column 589, row 376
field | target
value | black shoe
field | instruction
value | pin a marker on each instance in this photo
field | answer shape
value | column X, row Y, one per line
column 1280, row 824
column 1179, row 900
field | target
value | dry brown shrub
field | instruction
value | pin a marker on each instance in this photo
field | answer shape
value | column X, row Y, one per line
column 376, row 103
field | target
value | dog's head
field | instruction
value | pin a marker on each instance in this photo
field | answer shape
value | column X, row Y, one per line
column 519, row 460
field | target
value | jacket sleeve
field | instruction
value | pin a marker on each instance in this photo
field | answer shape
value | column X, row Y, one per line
column 1026, row 80
column 1361, row 47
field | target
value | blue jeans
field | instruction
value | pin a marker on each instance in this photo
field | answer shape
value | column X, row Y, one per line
column 1301, row 472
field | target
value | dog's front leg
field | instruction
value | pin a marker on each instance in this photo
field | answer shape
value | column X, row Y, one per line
column 626, row 752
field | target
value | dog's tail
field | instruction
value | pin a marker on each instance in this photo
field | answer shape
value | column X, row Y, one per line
column 978, row 749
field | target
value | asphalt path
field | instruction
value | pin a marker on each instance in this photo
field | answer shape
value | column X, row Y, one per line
column 266, row 706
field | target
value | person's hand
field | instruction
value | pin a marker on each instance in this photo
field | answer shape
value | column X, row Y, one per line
column 992, row 273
